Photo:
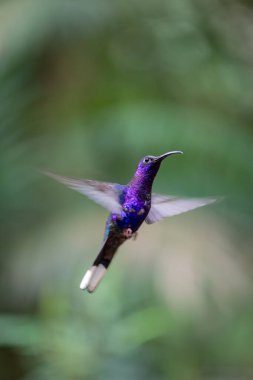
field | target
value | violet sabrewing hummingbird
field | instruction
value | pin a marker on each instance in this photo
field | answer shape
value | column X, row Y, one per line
column 129, row 205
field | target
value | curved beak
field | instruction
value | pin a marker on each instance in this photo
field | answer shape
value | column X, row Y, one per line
column 160, row 158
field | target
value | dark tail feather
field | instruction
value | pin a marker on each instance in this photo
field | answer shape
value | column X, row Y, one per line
column 108, row 250
column 95, row 274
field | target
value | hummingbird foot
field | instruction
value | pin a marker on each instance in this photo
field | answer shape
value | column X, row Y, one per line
column 128, row 233
column 135, row 235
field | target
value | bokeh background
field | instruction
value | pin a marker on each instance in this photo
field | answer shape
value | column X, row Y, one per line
column 86, row 89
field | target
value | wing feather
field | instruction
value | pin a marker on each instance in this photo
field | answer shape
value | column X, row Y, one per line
column 163, row 206
column 104, row 193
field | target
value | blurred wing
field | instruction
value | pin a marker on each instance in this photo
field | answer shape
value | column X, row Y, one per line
column 163, row 206
column 103, row 193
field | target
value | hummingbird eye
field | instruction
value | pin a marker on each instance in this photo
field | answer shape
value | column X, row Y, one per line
column 147, row 160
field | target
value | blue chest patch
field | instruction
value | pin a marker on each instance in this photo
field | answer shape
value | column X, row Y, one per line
column 132, row 217
column 134, row 210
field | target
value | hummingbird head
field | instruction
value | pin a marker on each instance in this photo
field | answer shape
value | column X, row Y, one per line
column 149, row 165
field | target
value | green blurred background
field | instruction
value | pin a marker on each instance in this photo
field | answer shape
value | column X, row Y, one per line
column 86, row 89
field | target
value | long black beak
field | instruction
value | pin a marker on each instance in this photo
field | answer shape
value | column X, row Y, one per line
column 160, row 158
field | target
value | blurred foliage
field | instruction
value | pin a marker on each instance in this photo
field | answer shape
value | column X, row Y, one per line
column 86, row 89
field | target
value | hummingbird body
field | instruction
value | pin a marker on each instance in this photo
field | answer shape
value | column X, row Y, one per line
column 136, row 197
column 129, row 205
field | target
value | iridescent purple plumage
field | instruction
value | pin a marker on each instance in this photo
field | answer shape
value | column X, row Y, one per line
column 129, row 206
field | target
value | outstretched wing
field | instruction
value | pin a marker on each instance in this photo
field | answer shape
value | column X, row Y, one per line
column 104, row 193
column 163, row 206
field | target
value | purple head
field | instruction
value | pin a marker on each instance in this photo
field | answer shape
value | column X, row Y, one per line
column 149, row 165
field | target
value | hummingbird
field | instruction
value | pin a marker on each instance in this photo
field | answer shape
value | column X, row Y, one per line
column 129, row 206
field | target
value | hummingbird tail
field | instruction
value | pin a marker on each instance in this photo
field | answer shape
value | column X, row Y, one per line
column 94, row 275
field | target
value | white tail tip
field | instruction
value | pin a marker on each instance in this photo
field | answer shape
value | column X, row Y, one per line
column 96, row 277
column 87, row 277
